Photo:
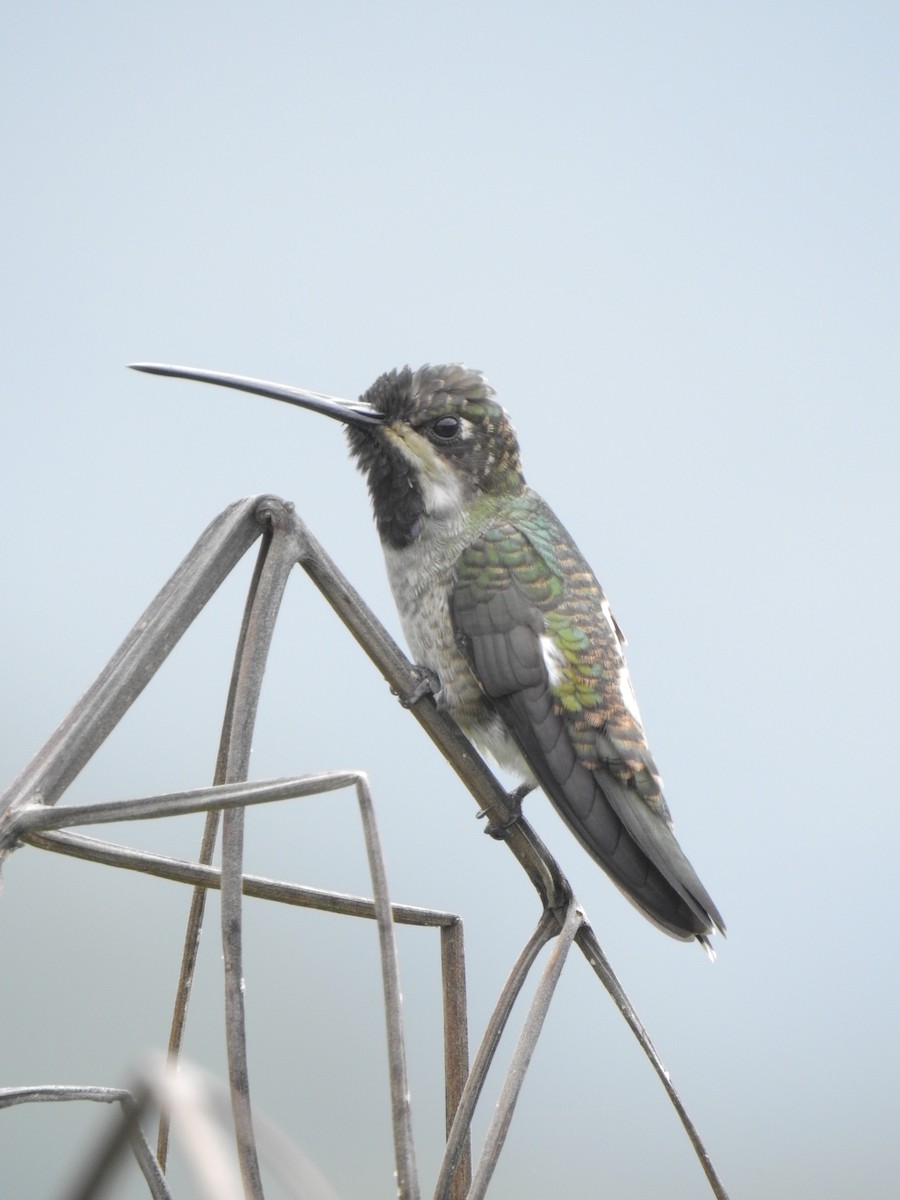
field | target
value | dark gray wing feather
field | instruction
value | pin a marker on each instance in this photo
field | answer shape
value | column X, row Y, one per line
column 613, row 807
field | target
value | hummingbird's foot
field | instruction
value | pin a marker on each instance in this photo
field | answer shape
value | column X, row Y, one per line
column 428, row 685
column 514, row 800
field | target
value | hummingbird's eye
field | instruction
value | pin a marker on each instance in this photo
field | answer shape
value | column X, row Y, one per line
column 445, row 428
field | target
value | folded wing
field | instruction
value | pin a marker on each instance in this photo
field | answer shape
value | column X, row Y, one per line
column 539, row 638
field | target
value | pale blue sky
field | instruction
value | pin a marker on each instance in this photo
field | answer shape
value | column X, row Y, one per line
column 669, row 235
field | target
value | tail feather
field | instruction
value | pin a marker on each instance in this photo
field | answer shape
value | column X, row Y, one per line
column 633, row 843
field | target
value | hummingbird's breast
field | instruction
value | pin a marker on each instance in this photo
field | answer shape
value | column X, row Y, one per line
column 422, row 576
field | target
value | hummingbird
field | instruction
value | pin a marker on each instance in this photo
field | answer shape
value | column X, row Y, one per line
column 503, row 613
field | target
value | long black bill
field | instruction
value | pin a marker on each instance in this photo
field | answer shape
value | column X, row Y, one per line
column 351, row 412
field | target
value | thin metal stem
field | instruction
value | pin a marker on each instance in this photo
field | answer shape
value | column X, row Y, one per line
column 240, row 794
column 191, row 944
column 56, row 1092
column 515, row 1075
column 189, row 951
column 256, row 886
column 457, row 1141
column 456, row 1048
column 404, row 1148
column 599, row 963
column 281, row 557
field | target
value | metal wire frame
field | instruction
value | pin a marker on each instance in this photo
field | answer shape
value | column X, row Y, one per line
column 27, row 815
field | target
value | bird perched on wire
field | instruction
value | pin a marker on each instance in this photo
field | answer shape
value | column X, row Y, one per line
column 501, row 609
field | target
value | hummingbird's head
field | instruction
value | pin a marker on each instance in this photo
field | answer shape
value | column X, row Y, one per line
column 431, row 442
column 442, row 443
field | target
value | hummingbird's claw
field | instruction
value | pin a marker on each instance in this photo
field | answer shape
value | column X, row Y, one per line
column 514, row 800
column 516, row 796
column 428, row 685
